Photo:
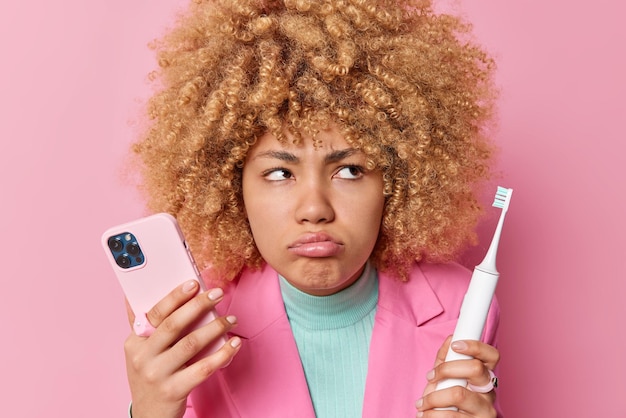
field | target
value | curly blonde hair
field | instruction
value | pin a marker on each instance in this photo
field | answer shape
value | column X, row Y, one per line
column 405, row 85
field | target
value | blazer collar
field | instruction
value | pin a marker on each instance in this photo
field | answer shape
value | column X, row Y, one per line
column 413, row 300
column 257, row 300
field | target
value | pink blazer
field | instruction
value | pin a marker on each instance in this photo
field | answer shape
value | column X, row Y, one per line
column 266, row 379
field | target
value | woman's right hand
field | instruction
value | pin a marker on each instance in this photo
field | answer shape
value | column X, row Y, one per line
column 159, row 370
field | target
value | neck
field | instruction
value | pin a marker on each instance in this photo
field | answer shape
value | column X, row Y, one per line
column 333, row 311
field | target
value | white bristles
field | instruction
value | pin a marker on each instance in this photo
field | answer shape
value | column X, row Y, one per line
column 503, row 198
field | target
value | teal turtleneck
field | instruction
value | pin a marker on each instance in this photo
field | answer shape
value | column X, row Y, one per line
column 333, row 336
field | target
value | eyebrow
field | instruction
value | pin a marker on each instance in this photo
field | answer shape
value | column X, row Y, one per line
column 339, row 155
column 278, row 155
column 289, row 157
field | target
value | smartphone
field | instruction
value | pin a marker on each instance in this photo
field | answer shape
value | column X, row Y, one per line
column 150, row 258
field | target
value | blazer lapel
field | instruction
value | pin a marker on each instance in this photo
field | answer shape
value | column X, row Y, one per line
column 266, row 377
column 401, row 350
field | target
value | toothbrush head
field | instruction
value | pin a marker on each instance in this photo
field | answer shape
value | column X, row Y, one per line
column 503, row 198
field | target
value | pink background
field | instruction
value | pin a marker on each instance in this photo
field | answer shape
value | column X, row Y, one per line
column 71, row 79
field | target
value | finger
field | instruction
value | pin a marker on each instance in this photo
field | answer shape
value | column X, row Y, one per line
column 471, row 370
column 443, row 351
column 199, row 340
column 199, row 371
column 483, row 380
column 488, row 387
column 439, row 358
column 175, row 299
column 466, row 401
column 430, row 387
column 174, row 326
column 486, row 353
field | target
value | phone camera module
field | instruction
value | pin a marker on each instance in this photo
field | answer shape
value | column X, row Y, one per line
column 126, row 250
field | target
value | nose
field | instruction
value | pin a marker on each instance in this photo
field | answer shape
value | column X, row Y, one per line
column 314, row 203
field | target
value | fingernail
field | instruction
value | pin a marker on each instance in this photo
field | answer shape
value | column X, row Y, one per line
column 419, row 403
column 215, row 294
column 232, row 319
column 420, row 414
column 235, row 342
column 430, row 375
column 189, row 286
column 459, row 345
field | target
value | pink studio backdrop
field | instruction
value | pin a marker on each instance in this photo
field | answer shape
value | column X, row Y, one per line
column 71, row 79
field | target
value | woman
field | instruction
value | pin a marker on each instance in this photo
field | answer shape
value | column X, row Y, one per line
column 322, row 158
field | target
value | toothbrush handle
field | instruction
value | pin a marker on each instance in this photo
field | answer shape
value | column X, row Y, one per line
column 471, row 322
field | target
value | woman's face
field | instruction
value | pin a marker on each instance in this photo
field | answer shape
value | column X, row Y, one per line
column 315, row 213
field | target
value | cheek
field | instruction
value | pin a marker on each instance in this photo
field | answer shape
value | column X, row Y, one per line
column 254, row 215
column 368, row 218
column 374, row 221
column 251, row 198
column 264, row 219
column 375, row 204
column 260, row 231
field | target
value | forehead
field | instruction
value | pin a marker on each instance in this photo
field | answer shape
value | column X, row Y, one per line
column 328, row 139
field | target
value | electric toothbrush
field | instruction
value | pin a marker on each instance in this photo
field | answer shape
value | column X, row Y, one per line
column 479, row 295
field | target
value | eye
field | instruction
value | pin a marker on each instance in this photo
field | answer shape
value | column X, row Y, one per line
column 350, row 172
column 277, row 174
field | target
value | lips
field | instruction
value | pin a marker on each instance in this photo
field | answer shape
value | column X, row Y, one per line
column 316, row 245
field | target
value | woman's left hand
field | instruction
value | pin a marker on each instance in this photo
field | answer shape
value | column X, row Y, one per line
column 475, row 371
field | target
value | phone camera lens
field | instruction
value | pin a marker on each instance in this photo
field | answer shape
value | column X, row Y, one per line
column 123, row 261
column 133, row 249
column 116, row 244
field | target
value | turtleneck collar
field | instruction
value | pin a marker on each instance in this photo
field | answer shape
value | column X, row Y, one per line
column 338, row 310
